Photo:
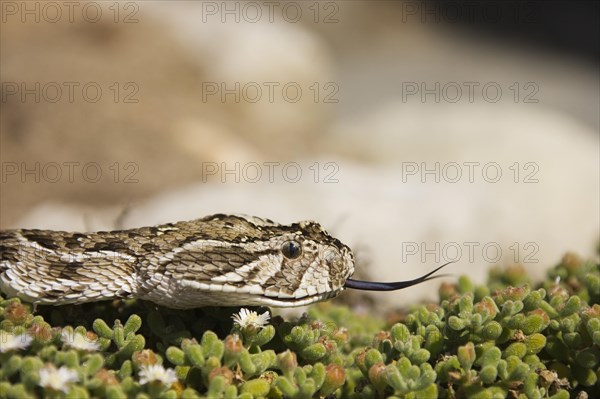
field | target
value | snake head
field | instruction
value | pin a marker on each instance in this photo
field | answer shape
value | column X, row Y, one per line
column 239, row 260
column 325, row 266
column 314, row 265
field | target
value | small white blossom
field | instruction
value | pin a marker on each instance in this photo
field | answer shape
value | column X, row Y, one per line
column 156, row 372
column 250, row 318
column 79, row 341
column 57, row 379
column 10, row 341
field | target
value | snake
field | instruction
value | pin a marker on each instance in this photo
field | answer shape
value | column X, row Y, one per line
column 217, row 260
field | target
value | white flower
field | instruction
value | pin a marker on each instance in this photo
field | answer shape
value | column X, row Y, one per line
column 247, row 318
column 79, row 341
column 55, row 379
column 157, row 372
column 10, row 341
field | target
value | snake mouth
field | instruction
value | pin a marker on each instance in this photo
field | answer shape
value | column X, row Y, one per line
column 392, row 286
column 295, row 302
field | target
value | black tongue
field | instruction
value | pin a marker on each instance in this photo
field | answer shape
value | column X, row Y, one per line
column 391, row 286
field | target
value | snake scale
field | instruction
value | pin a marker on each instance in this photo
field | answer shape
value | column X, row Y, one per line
column 218, row 260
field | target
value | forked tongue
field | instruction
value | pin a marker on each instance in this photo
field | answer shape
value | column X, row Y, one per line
column 394, row 285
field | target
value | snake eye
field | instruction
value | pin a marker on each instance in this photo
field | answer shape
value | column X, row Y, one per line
column 291, row 249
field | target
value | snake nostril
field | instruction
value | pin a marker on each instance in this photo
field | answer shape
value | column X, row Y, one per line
column 329, row 256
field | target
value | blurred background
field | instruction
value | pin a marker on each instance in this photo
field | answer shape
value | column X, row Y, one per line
column 416, row 132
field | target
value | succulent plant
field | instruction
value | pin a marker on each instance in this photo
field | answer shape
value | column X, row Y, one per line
column 508, row 338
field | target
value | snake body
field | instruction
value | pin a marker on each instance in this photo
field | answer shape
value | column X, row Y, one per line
column 224, row 260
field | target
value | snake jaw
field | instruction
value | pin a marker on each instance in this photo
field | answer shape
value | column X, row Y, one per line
column 391, row 286
column 292, row 303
